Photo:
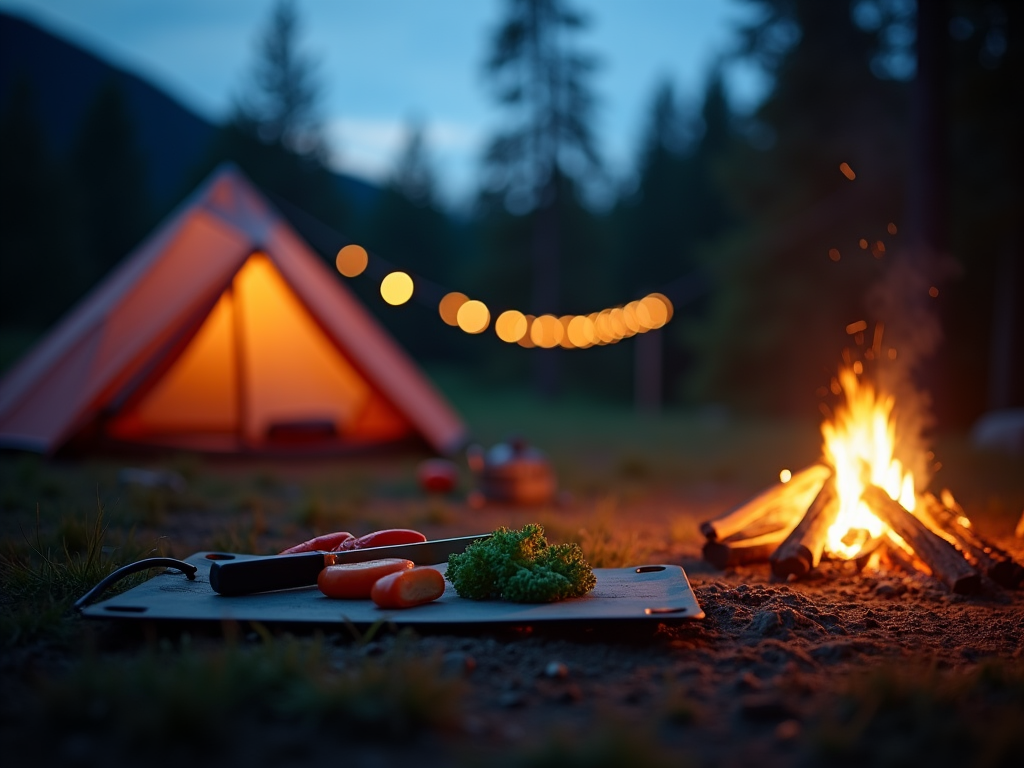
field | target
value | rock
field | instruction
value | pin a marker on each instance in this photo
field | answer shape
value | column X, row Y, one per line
column 556, row 669
column 151, row 478
column 511, row 700
column 787, row 730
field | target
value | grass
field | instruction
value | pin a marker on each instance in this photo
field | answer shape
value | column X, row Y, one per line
column 40, row 580
column 297, row 692
column 896, row 716
column 189, row 697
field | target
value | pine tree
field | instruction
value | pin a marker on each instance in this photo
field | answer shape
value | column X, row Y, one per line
column 42, row 267
column 543, row 85
column 781, row 303
column 280, row 104
column 275, row 133
column 109, row 173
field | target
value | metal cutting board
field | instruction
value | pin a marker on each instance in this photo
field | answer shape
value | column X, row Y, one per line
column 639, row 593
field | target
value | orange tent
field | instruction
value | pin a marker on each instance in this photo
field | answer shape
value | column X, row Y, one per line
column 222, row 332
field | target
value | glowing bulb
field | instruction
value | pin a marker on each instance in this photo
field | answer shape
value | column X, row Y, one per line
column 785, row 476
column 546, row 331
column 527, row 341
column 511, row 326
column 565, row 342
column 581, row 332
column 656, row 310
column 667, row 303
column 602, row 328
column 449, row 307
column 630, row 319
column 396, row 288
column 351, row 260
column 474, row 317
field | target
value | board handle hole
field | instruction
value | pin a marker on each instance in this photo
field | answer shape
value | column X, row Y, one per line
column 653, row 611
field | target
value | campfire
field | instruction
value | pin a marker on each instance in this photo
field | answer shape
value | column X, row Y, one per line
column 859, row 503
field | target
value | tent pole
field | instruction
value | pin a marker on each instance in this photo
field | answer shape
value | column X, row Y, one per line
column 243, row 408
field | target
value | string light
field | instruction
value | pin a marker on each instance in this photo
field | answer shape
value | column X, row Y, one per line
column 450, row 305
column 352, row 260
column 474, row 317
column 511, row 326
column 396, row 288
column 606, row 326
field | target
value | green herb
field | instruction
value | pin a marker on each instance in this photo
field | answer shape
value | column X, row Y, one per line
column 521, row 567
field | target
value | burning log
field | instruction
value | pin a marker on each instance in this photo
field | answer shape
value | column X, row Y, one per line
column 941, row 557
column 775, row 507
column 802, row 549
column 743, row 551
column 990, row 559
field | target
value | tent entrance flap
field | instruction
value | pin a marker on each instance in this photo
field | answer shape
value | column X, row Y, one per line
column 221, row 332
column 260, row 367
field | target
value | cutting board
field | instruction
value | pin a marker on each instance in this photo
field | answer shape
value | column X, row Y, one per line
column 639, row 593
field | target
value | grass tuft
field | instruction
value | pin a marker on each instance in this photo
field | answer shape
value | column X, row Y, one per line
column 913, row 716
column 192, row 697
column 39, row 582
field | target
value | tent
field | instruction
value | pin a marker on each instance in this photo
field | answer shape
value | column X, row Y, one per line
column 222, row 332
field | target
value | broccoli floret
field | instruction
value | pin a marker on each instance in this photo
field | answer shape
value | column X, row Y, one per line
column 520, row 566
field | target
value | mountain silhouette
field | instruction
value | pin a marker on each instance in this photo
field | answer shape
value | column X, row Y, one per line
column 64, row 80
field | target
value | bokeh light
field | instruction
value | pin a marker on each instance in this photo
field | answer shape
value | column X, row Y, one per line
column 785, row 476
column 511, row 326
column 566, row 342
column 581, row 332
column 449, row 307
column 667, row 303
column 546, row 331
column 630, row 318
column 618, row 328
column 527, row 341
column 656, row 309
column 352, row 260
column 602, row 329
column 396, row 288
column 473, row 316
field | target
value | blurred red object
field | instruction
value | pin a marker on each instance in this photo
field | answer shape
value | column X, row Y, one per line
column 438, row 476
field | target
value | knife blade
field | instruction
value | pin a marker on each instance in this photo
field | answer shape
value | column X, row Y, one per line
column 273, row 572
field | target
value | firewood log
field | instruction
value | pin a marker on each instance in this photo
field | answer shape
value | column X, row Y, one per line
column 995, row 563
column 802, row 549
column 776, row 507
column 743, row 551
column 942, row 558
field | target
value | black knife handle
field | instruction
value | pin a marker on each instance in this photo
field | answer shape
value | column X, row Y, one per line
column 264, row 574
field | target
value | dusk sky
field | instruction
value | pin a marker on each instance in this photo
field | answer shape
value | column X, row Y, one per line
column 389, row 61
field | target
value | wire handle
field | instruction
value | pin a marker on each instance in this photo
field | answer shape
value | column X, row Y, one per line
column 139, row 565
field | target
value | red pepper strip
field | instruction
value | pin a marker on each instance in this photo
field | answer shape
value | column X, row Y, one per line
column 383, row 539
column 329, row 542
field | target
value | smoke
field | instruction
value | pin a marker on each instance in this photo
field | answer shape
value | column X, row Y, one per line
column 906, row 300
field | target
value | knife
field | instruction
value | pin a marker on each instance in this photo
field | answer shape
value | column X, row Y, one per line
column 264, row 574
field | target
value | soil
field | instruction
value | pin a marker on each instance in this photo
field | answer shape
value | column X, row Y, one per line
column 776, row 674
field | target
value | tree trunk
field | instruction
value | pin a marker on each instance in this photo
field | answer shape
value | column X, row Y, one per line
column 546, row 278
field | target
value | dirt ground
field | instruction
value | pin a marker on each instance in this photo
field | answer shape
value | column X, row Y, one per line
column 880, row 667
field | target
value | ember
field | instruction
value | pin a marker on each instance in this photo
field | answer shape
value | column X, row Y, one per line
column 861, row 498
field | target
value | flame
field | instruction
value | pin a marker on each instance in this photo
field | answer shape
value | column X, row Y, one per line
column 859, row 442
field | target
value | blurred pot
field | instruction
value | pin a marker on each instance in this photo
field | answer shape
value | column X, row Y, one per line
column 514, row 473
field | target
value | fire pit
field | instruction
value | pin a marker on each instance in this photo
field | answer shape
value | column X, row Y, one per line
column 860, row 503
